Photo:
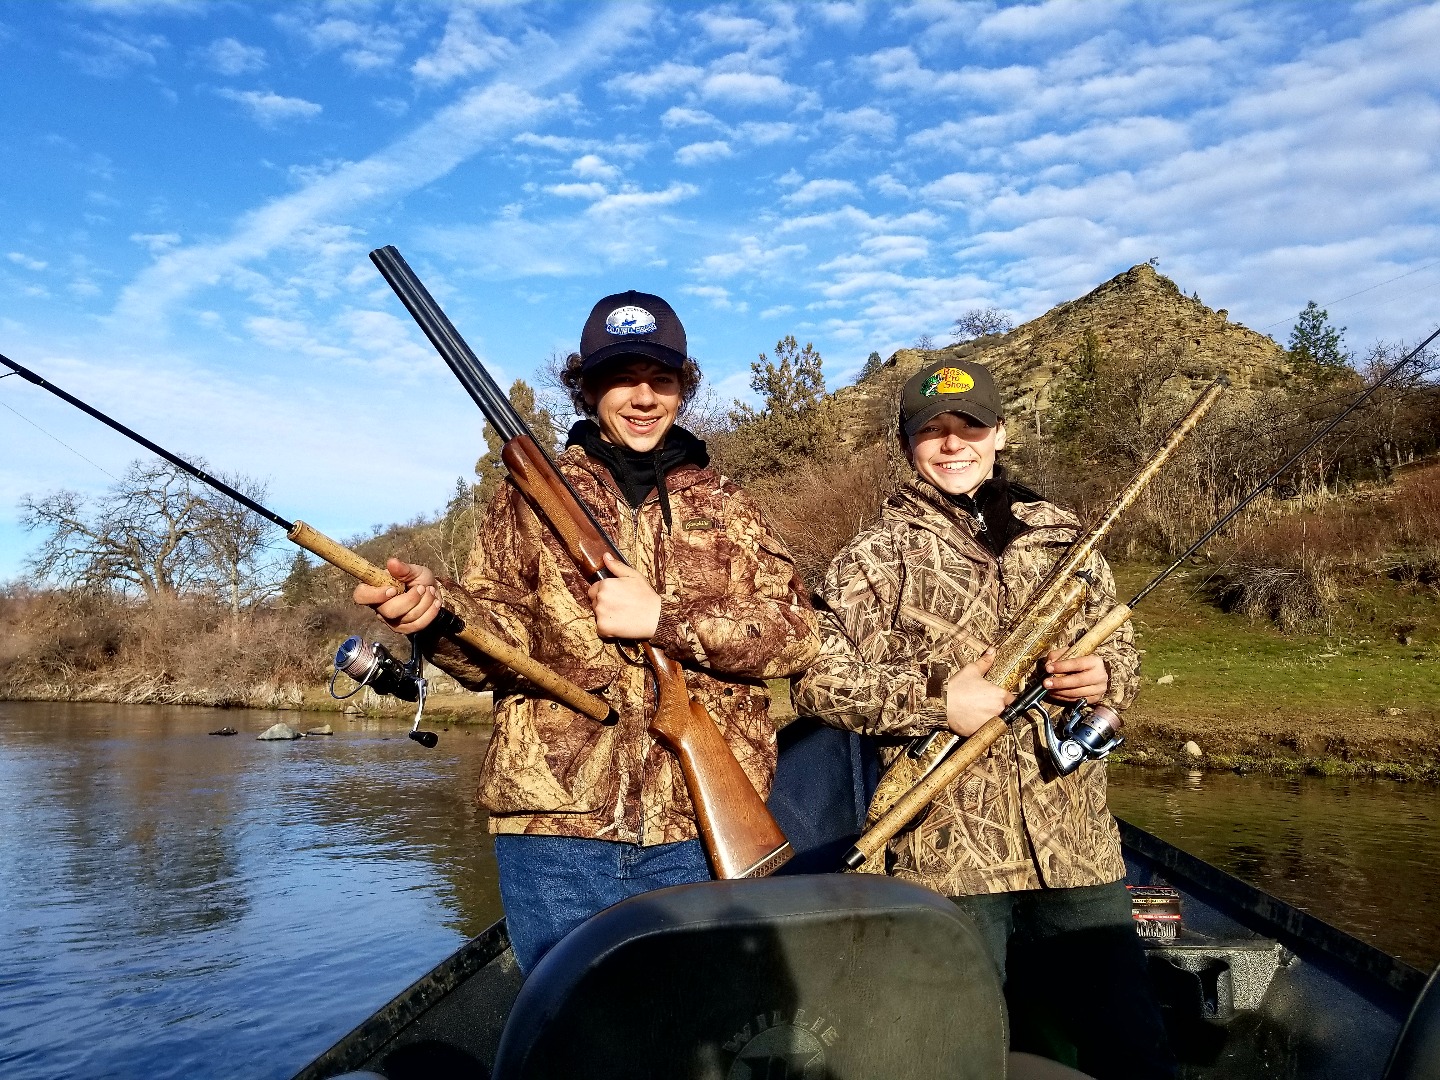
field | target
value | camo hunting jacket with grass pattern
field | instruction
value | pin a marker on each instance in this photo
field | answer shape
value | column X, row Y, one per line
column 919, row 588
column 733, row 612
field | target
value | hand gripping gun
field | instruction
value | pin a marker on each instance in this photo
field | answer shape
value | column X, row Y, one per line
column 936, row 760
column 740, row 837
column 365, row 663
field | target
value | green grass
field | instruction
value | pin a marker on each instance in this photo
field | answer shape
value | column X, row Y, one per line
column 1227, row 665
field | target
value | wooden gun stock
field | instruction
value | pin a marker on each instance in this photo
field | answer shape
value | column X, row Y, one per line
column 740, row 836
column 562, row 689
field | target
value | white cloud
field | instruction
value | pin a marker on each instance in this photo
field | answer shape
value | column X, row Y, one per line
column 719, row 297
column 751, row 257
column 227, row 56
column 1028, row 22
column 155, row 243
column 467, row 48
column 21, row 259
column 590, row 191
column 269, row 108
column 814, row 191
column 747, row 88
column 959, row 187
column 702, row 153
column 112, row 54
column 363, row 46
column 664, row 79
column 866, row 120
column 767, row 132
column 594, row 167
column 680, row 116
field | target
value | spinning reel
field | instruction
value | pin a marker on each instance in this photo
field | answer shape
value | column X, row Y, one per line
column 371, row 664
column 1079, row 733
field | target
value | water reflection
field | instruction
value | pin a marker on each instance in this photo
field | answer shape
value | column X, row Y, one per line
column 1362, row 854
column 171, row 896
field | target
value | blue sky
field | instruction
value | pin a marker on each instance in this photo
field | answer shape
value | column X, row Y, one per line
column 189, row 188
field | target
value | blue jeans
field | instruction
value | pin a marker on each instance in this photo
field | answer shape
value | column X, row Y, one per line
column 551, row 884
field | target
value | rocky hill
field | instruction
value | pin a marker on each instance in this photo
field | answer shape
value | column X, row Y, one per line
column 1133, row 315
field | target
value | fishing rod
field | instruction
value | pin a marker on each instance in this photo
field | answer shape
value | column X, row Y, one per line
column 935, row 763
column 367, row 663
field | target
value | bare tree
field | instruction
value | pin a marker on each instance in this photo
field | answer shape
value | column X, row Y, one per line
column 157, row 530
column 981, row 322
column 235, row 542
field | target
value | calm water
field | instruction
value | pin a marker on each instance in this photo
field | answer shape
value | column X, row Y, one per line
column 173, row 900
column 1361, row 854
column 178, row 905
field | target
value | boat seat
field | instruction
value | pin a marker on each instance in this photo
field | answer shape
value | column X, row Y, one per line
column 1417, row 1051
column 826, row 977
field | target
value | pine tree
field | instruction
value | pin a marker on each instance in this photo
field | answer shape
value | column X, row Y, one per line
column 490, row 470
column 1315, row 345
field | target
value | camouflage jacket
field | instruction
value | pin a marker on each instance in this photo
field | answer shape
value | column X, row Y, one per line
column 919, row 588
column 732, row 613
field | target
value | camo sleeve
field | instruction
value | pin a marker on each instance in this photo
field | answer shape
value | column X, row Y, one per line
column 492, row 594
column 867, row 677
column 734, row 603
column 1122, row 661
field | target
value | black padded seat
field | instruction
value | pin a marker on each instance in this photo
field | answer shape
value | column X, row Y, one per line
column 831, row 977
column 1417, row 1051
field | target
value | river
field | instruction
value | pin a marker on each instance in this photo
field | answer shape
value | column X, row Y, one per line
column 177, row 904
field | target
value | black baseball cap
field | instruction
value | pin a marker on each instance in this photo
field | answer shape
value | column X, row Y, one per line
column 632, row 324
column 949, row 386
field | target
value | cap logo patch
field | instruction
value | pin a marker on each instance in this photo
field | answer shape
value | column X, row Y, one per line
column 629, row 320
column 950, row 380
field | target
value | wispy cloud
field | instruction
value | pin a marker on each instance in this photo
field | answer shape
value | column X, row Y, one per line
column 229, row 57
column 269, row 108
column 431, row 150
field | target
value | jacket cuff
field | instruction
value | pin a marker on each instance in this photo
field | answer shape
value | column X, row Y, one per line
column 667, row 631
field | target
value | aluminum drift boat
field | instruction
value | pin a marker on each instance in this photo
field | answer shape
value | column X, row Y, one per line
column 839, row 977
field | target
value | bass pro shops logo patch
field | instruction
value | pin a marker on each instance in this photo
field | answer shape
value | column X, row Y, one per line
column 629, row 320
column 950, row 380
column 779, row 1047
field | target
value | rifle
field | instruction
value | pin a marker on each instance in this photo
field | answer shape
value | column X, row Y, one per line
column 740, row 837
column 342, row 558
column 931, row 762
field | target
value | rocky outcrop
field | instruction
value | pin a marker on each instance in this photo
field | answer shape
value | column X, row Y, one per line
column 1130, row 316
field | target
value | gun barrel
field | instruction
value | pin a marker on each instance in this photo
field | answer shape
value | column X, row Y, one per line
column 452, row 348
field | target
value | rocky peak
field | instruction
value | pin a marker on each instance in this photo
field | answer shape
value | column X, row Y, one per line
column 1134, row 314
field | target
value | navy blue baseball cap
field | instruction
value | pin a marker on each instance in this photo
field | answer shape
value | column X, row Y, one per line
column 632, row 324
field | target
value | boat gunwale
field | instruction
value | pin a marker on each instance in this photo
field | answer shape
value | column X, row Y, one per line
column 1269, row 915
column 370, row 1036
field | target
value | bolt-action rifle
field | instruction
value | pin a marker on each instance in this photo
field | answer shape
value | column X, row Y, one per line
column 740, row 837
column 342, row 558
column 932, row 762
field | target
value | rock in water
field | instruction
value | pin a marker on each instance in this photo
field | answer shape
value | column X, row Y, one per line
column 323, row 729
column 279, row 731
column 1192, row 749
column 225, row 731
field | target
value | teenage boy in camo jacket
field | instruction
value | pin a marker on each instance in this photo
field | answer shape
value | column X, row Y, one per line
column 588, row 813
column 1032, row 856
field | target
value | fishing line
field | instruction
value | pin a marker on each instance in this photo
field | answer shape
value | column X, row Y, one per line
column 1332, row 303
column 62, row 442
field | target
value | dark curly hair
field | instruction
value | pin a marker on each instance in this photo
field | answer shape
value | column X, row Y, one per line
column 574, row 381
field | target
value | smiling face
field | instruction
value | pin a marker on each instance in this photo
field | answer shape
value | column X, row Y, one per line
column 956, row 453
column 635, row 401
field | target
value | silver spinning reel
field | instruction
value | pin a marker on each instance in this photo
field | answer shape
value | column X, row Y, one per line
column 371, row 664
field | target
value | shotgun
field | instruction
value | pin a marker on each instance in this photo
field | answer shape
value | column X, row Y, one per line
column 932, row 761
column 740, row 837
column 342, row 558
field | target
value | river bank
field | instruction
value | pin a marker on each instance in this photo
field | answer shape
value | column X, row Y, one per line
column 1395, row 746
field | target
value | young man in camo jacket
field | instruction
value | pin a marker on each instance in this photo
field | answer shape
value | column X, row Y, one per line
column 587, row 814
column 1032, row 856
